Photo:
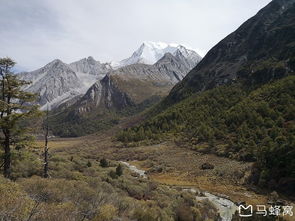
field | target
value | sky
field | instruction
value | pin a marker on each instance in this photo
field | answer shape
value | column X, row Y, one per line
column 35, row 32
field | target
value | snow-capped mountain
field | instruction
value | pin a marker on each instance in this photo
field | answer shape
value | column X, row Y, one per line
column 57, row 82
column 150, row 52
column 135, row 83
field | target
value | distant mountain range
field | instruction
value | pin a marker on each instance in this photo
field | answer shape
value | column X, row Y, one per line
column 59, row 83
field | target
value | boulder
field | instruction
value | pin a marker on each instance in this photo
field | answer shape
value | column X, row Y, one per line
column 207, row 166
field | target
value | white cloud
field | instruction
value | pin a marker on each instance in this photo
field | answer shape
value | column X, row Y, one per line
column 34, row 32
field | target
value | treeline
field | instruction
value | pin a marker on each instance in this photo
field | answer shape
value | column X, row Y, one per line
column 232, row 121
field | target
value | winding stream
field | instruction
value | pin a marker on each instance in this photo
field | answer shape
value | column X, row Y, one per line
column 225, row 207
column 134, row 169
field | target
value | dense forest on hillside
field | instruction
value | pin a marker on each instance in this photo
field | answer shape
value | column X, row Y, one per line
column 235, row 122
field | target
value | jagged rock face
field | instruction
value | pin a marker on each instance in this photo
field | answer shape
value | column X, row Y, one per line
column 170, row 69
column 190, row 57
column 105, row 94
column 53, row 83
column 62, row 85
column 59, row 83
column 259, row 51
column 135, row 83
column 91, row 66
column 174, row 67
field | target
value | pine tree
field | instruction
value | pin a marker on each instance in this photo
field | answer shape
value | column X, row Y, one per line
column 89, row 164
column 119, row 170
column 104, row 163
column 14, row 107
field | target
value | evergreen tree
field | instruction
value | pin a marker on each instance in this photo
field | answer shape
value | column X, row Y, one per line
column 14, row 107
column 104, row 163
column 119, row 170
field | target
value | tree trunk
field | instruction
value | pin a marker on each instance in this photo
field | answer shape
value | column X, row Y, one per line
column 7, row 156
column 46, row 175
column 46, row 158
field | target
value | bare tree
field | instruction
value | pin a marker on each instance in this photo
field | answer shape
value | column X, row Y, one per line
column 46, row 129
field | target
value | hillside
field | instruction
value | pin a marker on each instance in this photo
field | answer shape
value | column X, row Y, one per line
column 260, row 50
column 238, row 102
column 122, row 92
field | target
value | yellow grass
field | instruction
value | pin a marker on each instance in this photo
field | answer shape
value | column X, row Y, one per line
column 236, row 193
column 61, row 143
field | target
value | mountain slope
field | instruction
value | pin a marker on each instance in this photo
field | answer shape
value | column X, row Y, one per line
column 126, row 90
column 135, row 83
column 260, row 50
column 239, row 101
column 54, row 83
column 69, row 82
column 57, row 83
column 88, row 67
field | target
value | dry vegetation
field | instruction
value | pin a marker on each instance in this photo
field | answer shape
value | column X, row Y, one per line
column 81, row 189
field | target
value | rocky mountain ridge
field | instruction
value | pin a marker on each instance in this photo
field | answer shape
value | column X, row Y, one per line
column 252, row 53
column 60, row 83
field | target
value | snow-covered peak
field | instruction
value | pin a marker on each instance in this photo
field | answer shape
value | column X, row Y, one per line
column 159, row 45
column 150, row 52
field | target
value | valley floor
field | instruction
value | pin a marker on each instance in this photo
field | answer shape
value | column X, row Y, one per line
column 167, row 163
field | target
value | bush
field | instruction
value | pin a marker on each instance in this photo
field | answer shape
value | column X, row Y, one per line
column 14, row 203
column 104, row 163
column 113, row 174
column 119, row 170
column 106, row 212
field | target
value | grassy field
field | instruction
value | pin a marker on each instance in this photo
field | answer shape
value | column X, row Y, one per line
column 74, row 165
column 166, row 164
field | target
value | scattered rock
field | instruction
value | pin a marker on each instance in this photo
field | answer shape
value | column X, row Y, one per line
column 207, row 166
column 241, row 203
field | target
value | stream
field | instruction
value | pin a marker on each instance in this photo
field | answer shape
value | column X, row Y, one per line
column 225, row 207
column 134, row 169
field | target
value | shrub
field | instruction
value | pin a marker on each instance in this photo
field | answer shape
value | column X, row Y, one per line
column 106, row 212
column 14, row 203
column 104, row 163
column 119, row 170
column 113, row 174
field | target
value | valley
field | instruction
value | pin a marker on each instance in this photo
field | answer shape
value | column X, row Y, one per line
column 161, row 135
column 170, row 165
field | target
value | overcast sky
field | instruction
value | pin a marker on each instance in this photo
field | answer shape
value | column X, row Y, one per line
column 34, row 32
